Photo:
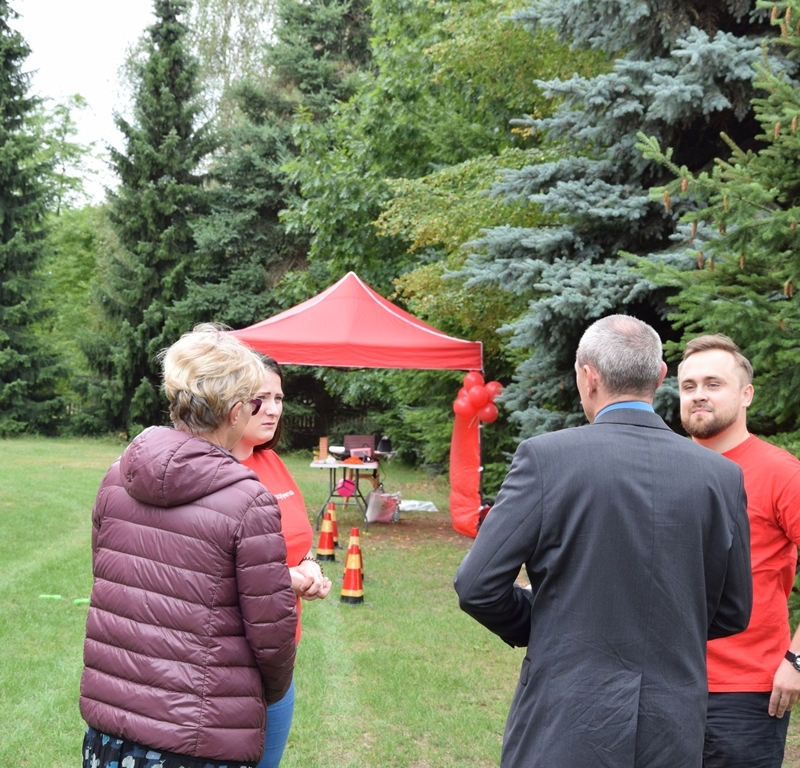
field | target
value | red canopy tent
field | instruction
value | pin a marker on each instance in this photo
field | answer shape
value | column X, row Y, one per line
column 351, row 326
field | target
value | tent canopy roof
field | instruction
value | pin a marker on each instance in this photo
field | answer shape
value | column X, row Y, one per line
column 351, row 326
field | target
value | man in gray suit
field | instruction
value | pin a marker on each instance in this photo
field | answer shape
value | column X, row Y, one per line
column 636, row 545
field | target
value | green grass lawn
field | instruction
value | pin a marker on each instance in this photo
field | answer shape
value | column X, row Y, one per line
column 404, row 680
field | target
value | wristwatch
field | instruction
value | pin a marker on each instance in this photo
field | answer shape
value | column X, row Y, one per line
column 794, row 659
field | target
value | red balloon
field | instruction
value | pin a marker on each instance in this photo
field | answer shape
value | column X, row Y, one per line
column 463, row 407
column 473, row 379
column 478, row 396
column 494, row 388
column 488, row 413
column 462, row 393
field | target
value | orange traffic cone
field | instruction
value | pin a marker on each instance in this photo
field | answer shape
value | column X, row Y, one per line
column 352, row 584
column 332, row 512
column 325, row 549
column 355, row 541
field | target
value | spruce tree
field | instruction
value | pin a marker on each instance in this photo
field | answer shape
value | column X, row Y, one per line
column 736, row 257
column 244, row 246
column 159, row 195
column 318, row 50
column 683, row 73
column 29, row 371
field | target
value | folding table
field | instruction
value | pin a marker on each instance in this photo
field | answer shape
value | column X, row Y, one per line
column 333, row 467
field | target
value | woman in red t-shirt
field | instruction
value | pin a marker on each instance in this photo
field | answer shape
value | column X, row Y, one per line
column 254, row 450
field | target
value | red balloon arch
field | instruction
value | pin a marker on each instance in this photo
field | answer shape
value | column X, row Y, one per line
column 477, row 399
column 473, row 406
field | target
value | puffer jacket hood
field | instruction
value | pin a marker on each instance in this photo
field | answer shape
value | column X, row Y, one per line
column 158, row 468
column 191, row 627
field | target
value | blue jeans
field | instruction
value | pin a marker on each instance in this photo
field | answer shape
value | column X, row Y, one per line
column 279, row 723
column 741, row 734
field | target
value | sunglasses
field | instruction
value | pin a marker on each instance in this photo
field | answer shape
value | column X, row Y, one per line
column 256, row 402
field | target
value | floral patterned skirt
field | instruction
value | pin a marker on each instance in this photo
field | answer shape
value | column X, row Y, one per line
column 103, row 751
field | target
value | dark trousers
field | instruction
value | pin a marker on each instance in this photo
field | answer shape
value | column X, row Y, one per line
column 741, row 734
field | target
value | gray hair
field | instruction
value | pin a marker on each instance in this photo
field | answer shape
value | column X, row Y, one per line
column 626, row 353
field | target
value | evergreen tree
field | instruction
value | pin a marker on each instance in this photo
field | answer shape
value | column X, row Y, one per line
column 246, row 251
column 159, row 196
column 318, row 48
column 737, row 252
column 683, row 73
column 321, row 47
column 29, row 371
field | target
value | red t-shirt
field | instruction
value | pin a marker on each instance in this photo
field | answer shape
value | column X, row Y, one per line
column 296, row 528
column 746, row 663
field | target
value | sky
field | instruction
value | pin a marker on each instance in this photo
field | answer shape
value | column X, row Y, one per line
column 78, row 46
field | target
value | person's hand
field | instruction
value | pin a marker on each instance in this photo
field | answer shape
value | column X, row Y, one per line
column 785, row 689
column 308, row 582
column 321, row 593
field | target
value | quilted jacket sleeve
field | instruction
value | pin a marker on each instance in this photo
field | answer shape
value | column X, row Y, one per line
column 111, row 478
column 267, row 601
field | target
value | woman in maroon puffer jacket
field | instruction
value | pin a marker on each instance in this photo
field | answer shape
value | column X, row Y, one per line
column 191, row 629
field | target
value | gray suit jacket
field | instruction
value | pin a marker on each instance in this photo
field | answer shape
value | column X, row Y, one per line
column 637, row 546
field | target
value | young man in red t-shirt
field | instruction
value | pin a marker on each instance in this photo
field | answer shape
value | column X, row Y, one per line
column 753, row 677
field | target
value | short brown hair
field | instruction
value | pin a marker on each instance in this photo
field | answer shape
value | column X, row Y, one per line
column 725, row 344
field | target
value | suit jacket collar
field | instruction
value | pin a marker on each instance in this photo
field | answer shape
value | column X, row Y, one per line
column 633, row 416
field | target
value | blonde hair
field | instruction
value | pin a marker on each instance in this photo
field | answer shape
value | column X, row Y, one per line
column 205, row 373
